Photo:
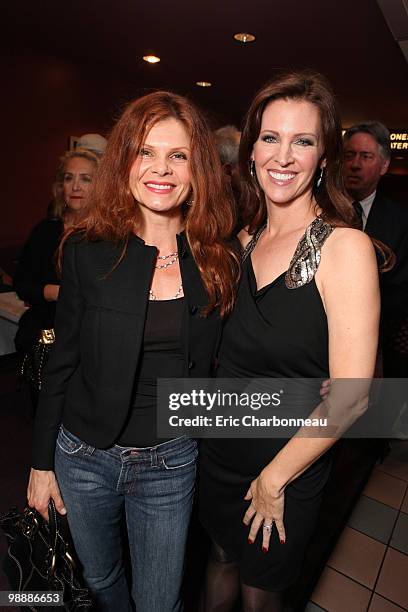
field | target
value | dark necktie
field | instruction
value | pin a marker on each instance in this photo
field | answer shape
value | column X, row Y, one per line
column 359, row 214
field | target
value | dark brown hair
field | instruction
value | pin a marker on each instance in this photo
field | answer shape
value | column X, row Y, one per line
column 330, row 196
column 113, row 215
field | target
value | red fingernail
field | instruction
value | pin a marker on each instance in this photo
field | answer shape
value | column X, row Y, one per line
column 264, row 549
column 282, row 541
column 250, row 541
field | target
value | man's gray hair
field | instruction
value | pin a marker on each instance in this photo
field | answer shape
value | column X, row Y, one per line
column 377, row 130
column 227, row 138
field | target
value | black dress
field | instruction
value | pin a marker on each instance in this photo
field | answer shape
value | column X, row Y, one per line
column 279, row 331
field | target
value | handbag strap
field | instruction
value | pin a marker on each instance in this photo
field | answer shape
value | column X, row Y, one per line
column 54, row 531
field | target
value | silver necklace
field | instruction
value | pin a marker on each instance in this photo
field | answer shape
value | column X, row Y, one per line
column 173, row 258
column 167, row 256
column 153, row 297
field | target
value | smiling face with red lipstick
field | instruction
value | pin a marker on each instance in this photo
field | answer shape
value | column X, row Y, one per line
column 160, row 179
column 288, row 151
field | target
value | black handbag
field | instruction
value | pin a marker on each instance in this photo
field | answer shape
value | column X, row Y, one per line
column 40, row 557
column 35, row 359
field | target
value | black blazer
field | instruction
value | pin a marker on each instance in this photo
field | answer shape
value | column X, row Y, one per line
column 99, row 332
column 388, row 222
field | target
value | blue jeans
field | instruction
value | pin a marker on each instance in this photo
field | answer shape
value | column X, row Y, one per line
column 152, row 489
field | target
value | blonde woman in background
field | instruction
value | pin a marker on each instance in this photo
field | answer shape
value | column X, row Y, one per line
column 36, row 280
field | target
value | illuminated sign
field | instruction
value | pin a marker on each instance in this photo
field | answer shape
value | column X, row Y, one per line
column 399, row 140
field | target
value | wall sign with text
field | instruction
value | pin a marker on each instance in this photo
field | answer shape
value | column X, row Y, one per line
column 399, row 140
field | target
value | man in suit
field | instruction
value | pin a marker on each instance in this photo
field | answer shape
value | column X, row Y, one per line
column 367, row 157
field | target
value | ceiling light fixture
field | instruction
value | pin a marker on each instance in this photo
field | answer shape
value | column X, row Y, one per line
column 244, row 37
column 204, row 83
column 151, row 59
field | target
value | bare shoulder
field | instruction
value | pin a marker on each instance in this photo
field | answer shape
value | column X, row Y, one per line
column 348, row 259
column 347, row 246
column 348, row 273
column 244, row 237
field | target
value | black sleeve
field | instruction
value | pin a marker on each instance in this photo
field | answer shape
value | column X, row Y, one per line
column 62, row 362
column 36, row 266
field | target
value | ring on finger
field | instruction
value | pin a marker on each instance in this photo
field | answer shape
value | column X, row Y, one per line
column 268, row 528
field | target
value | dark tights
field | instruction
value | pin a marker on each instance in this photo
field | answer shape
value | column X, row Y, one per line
column 223, row 586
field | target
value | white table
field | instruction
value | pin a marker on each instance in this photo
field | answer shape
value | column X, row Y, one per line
column 11, row 309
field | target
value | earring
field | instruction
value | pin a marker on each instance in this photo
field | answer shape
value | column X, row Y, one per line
column 189, row 202
column 252, row 168
column 320, row 178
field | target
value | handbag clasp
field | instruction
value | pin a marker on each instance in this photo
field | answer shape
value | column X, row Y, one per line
column 47, row 336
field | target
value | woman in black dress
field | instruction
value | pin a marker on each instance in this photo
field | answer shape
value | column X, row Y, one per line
column 307, row 307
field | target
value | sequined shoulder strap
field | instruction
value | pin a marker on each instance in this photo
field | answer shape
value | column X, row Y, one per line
column 306, row 259
column 251, row 244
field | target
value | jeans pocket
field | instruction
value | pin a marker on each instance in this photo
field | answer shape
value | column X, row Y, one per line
column 69, row 443
column 181, row 457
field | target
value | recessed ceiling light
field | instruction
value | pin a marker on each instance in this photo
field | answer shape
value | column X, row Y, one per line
column 151, row 59
column 244, row 37
column 204, row 83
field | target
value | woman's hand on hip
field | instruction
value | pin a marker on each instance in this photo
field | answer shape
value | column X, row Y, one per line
column 42, row 487
column 266, row 509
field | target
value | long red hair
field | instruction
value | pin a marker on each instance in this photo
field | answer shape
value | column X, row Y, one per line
column 112, row 213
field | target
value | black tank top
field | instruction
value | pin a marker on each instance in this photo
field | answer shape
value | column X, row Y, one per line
column 161, row 358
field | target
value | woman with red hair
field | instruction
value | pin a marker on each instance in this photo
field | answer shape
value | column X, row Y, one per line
column 146, row 278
